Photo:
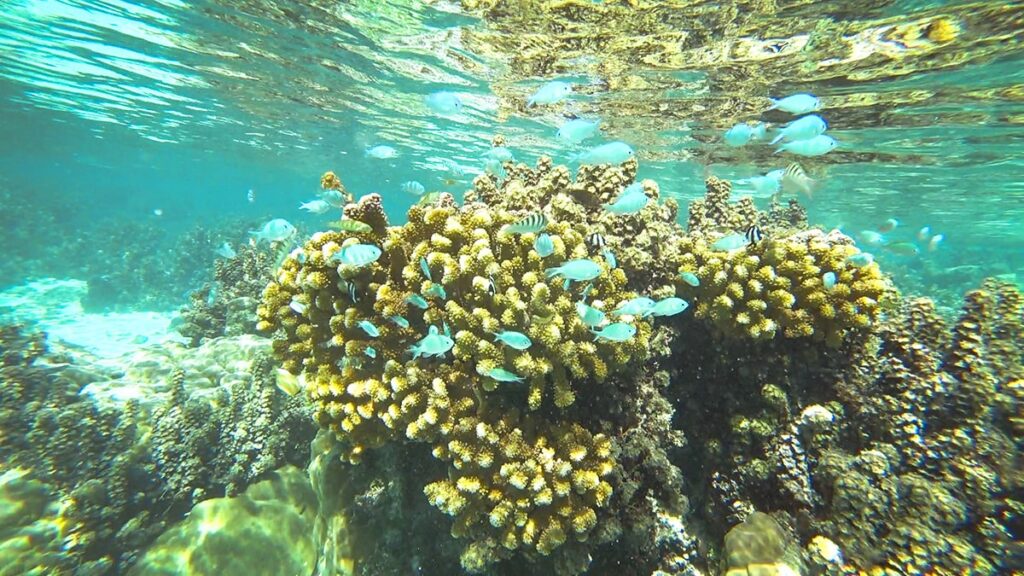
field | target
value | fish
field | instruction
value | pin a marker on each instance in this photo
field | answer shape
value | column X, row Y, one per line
column 225, row 251
column 353, row 293
column 578, row 270
column 433, row 344
column 300, row 256
column 730, row 242
column 413, row 187
column 516, row 340
column 610, row 153
column 889, row 225
column 250, row 195
column 297, row 306
column 429, row 198
column 333, row 197
column 357, row 255
column 817, row 146
column 871, row 237
column 738, row 135
column 609, row 258
column 758, row 131
column 530, row 224
column 453, row 167
column 315, row 206
column 380, row 152
column 828, row 280
column 158, row 212
column 933, row 244
column 369, row 328
column 437, row 291
column 417, row 301
column 499, row 154
column 634, row 188
column 425, row 267
column 802, row 129
column 544, row 245
column 754, row 234
column 287, row 382
column 596, row 240
column 354, row 226
column 550, row 93
column 502, row 375
column 690, row 278
column 617, row 332
column 794, row 179
column 639, row 306
column 492, row 288
column 669, row 307
column 924, row 233
column 860, row 259
column 796, row 103
column 903, row 248
column 586, row 290
column 577, row 130
column 443, row 102
column 275, row 230
column 766, row 185
column 370, row 351
column 399, row 321
column 628, row 203
column 589, row 315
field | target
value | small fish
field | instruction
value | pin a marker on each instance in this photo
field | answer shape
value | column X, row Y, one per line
column 924, row 233
column 499, row 154
column 158, row 212
column 802, row 129
column 225, row 251
column 828, row 279
column 502, row 375
column 413, row 187
column 639, row 306
column 275, row 230
column 437, row 291
column 433, row 344
column 586, row 290
column 516, row 340
column 669, row 307
column 333, row 197
column 530, row 224
column 589, row 315
column 353, row 292
column 417, row 301
column 889, row 225
column 903, row 248
column 370, row 351
column 315, row 206
column 816, row 146
column 550, row 93
column 297, row 306
column 609, row 258
column 452, row 166
column 754, row 234
column 369, row 328
column 250, row 196
column 628, row 204
column 399, row 321
column 860, row 259
column 610, row 153
column 447, row 331
column 381, row 152
column 690, row 278
column 287, row 382
column 759, row 131
column 577, row 130
column 354, row 226
column 357, row 255
column 794, row 179
column 730, row 242
column 429, row 198
column 425, row 267
column 544, row 245
column 443, row 102
column 492, row 288
column 634, row 188
column 933, row 244
column 596, row 240
column 871, row 237
column 766, row 185
column 617, row 332
column 738, row 135
column 796, row 104
column 579, row 270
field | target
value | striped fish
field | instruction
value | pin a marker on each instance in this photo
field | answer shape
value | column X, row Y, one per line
column 753, row 235
column 596, row 241
column 353, row 292
column 533, row 223
column 794, row 179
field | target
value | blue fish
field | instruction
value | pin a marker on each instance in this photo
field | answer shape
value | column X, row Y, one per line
column 669, row 307
column 357, row 255
column 544, row 245
column 443, row 102
column 399, row 321
column 802, row 129
column 502, row 375
column 437, row 291
column 516, row 340
column 610, row 153
column 828, row 279
column 730, row 242
column 690, row 278
column 738, row 135
column 860, row 260
column 369, row 328
column 589, row 315
column 433, row 344
column 617, row 332
column 425, row 267
column 579, row 270
column 796, row 103
column 550, row 93
column 577, row 130
column 639, row 306
column 417, row 301
column 609, row 258
column 370, row 351
column 816, row 146
column 628, row 203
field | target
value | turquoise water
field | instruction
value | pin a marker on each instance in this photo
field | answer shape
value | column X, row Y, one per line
column 138, row 137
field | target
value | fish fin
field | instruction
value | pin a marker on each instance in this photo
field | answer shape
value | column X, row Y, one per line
column 565, row 285
column 776, row 139
column 550, row 272
column 780, row 149
column 775, row 104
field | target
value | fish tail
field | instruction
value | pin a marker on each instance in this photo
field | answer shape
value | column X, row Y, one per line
column 780, row 149
column 775, row 104
column 552, row 272
column 777, row 138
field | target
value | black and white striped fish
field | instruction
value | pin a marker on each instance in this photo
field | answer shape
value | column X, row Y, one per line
column 492, row 288
column 596, row 241
column 533, row 223
column 353, row 292
column 754, row 234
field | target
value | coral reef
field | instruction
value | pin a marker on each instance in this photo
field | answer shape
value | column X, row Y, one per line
column 31, row 528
